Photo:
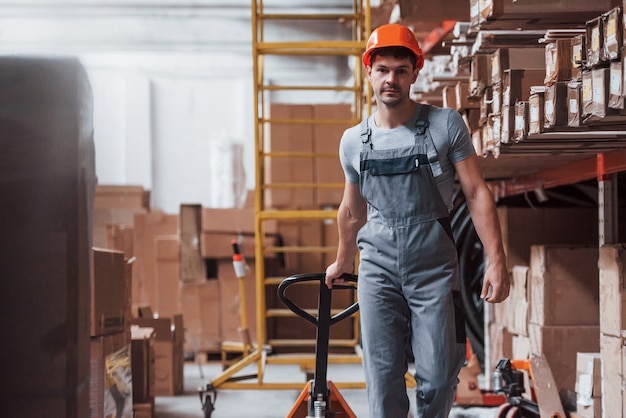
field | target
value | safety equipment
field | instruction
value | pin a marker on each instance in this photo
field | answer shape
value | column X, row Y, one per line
column 393, row 34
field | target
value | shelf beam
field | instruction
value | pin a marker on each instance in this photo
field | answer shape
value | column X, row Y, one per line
column 575, row 172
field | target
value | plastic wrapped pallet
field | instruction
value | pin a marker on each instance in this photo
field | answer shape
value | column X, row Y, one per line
column 47, row 180
column 507, row 124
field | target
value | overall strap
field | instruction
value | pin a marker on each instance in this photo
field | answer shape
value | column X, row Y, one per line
column 366, row 132
column 421, row 126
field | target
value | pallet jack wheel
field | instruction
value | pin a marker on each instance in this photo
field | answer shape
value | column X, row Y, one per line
column 207, row 400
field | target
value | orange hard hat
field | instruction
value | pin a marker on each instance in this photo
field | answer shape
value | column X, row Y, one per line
column 393, row 34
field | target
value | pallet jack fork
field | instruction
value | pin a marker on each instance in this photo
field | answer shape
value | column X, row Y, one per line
column 320, row 398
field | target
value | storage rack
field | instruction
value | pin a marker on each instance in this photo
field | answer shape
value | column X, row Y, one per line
column 259, row 353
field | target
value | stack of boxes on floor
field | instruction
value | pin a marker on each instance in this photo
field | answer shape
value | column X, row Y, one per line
column 553, row 310
column 613, row 336
column 573, row 79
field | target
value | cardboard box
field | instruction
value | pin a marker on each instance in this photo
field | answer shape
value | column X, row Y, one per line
column 612, row 291
column 111, row 388
column 519, row 301
column 147, row 227
column 110, row 293
column 556, row 105
column 295, row 138
column 167, row 276
column 589, row 408
column 201, row 308
column 521, row 121
column 579, row 55
column 586, row 95
column 558, row 61
column 563, row 277
column 120, row 237
column 574, row 107
column 588, row 376
column 461, row 90
column 168, row 353
column 595, row 42
column 613, row 34
column 480, row 75
column 616, row 85
column 524, row 227
column 192, row 266
column 560, row 345
column 328, row 174
column 613, row 357
column 142, row 362
column 535, row 113
column 516, row 84
column 120, row 197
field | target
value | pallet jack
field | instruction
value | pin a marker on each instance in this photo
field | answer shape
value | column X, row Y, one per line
column 320, row 398
column 528, row 395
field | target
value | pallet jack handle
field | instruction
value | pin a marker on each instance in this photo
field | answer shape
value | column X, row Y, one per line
column 319, row 391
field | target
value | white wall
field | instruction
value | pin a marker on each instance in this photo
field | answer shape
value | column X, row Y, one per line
column 173, row 86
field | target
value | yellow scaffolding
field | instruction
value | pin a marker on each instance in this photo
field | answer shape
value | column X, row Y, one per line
column 259, row 353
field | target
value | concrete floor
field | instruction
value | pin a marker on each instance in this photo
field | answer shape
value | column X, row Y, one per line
column 246, row 403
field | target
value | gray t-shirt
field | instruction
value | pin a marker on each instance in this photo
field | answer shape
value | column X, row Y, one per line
column 447, row 129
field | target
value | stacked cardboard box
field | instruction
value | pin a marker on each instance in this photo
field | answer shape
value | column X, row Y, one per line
column 169, row 334
column 143, row 370
column 111, row 375
column 612, row 325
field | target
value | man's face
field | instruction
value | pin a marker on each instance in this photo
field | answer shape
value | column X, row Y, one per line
column 391, row 79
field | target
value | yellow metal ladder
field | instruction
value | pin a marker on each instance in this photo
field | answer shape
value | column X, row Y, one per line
column 358, row 20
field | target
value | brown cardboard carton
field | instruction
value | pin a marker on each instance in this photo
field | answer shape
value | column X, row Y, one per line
column 574, row 104
column 517, row 83
column 192, row 266
column 560, row 345
column 201, row 309
column 562, row 277
column 120, row 197
column 579, row 55
column 616, row 80
column 612, row 353
column 519, row 301
column 524, row 227
column 326, row 137
column 521, row 121
column 111, row 388
column 613, row 34
column 110, row 293
column 142, row 363
column 555, row 105
column 595, row 42
column 535, row 113
column 588, row 375
column 461, row 90
column 612, row 291
column 289, row 138
column 148, row 226
column 167, row 276
column 168, row 353
column 558, row 61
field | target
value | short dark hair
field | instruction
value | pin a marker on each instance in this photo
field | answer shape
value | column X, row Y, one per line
column 398, row 52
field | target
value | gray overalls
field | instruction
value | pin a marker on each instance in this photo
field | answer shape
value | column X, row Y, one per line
column 408, row 280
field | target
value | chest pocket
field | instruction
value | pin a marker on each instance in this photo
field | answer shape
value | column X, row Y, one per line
column 398, row 165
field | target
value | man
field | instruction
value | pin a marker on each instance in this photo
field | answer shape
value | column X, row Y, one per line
column 400, row 167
